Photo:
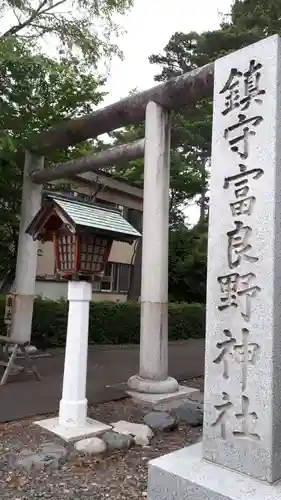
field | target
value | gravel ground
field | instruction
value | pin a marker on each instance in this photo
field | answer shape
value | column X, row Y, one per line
column 121, row 475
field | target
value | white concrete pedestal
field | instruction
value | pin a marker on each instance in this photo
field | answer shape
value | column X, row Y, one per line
column 89, row 428
column 72, row 422
column 183, row 475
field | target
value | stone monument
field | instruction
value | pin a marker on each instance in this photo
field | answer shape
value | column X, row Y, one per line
column 240, row 457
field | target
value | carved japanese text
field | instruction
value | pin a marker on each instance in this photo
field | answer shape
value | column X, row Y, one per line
column 241, row 89
column 246, row 419
column 238, row 134
column 239, row 246
column 243, row 354
column 234, row 287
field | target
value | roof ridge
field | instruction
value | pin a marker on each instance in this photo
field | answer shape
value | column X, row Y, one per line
column 71, row 199
column 89, row 215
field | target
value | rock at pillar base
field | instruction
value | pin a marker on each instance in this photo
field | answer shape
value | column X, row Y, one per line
column 183, row 474
column 138, row 384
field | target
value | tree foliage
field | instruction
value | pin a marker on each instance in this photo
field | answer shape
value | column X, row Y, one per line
column 187, row 264
column 248, row 22
column 82, row 27
column 52, row 92
column 185, row 178
column 37, row 91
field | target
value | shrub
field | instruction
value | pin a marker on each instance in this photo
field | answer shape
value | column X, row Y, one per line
column 110, row 322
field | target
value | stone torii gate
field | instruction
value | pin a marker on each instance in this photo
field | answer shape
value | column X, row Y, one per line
column 153, row 105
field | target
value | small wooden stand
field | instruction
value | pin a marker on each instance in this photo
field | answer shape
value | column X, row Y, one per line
column 7, row 357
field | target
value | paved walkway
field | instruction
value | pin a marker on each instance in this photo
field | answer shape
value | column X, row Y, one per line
column 108, row 370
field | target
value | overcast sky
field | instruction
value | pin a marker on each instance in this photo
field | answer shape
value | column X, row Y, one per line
column 150, row 25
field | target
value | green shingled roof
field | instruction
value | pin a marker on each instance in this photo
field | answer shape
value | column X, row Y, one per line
column 85, row 214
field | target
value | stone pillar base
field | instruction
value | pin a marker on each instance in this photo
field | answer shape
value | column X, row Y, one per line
column 184, row 475
column 138, row 384
column 180, row 395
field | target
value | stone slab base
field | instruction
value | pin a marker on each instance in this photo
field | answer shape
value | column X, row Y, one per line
column 91, row 428
column 183, row 475
column 182, row 393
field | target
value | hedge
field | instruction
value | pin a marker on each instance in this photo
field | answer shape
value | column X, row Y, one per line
column 110, row 323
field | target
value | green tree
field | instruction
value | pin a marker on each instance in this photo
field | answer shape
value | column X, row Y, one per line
column 185, row 179
column 247, row 22
column 79, row 27
column 187, row 264
column 259, row 18
column 52, row 92
column 37, row 92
